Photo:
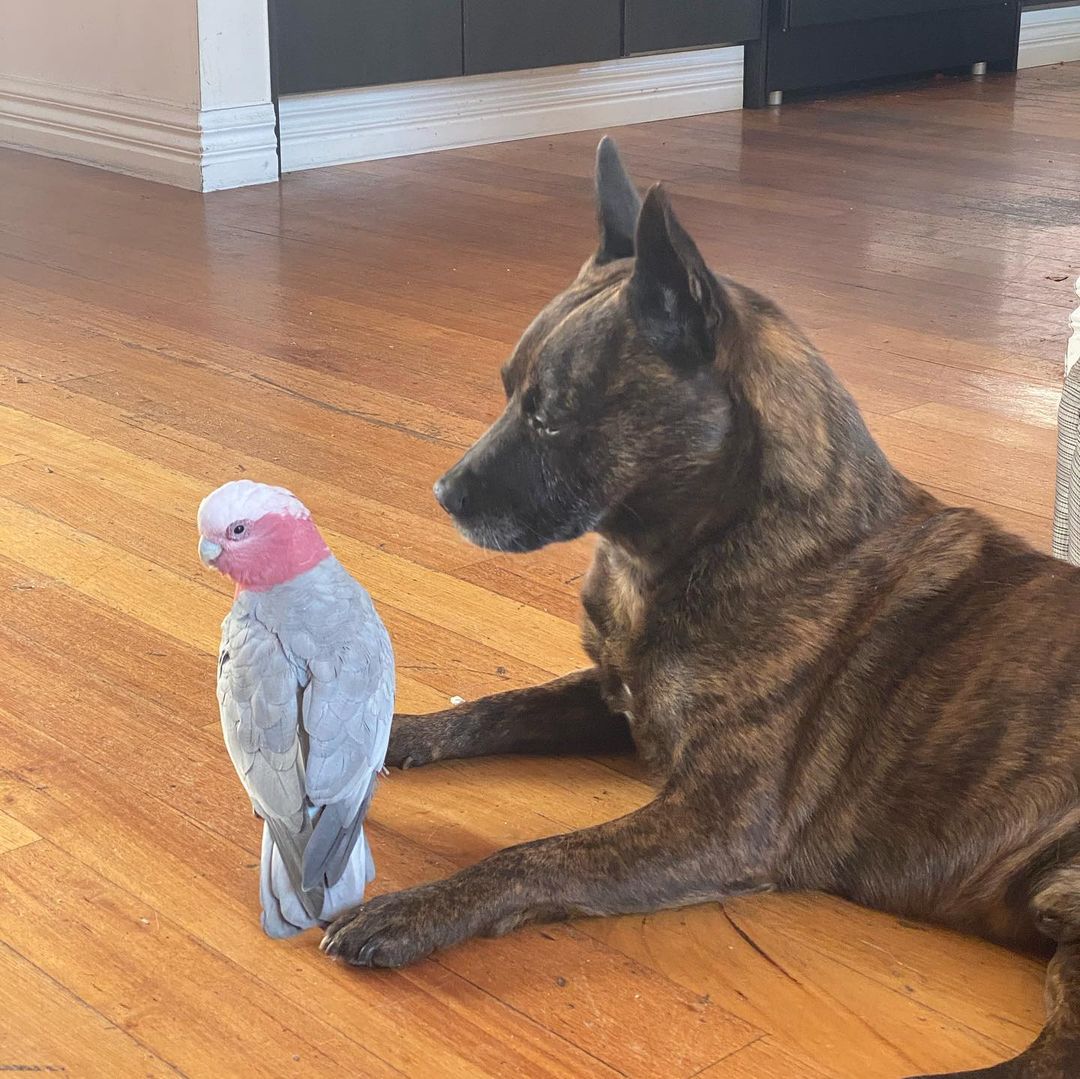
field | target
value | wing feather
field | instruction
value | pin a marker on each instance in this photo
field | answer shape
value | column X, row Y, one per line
column 258, row 696
column 347, row 709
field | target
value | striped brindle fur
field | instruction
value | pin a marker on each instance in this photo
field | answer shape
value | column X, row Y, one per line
column 836, row 682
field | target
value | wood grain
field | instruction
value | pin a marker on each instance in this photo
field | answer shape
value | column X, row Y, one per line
column 35, row 1007
column 341, row 334
column 764, row 1059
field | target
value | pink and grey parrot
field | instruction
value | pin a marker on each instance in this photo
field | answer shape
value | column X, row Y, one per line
column 306, row 690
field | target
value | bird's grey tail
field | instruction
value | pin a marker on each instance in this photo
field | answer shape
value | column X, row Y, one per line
column 287, row 909
column 348, row 890
column 335, row 835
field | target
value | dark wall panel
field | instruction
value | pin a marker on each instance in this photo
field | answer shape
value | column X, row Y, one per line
column 329, row 44
column 652, row 25
column 506, row 35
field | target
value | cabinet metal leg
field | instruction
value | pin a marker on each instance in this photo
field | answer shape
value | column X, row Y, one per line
column 979, row 68
column 776, row 97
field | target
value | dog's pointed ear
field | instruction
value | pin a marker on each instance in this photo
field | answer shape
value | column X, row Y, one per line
column 617, row 205
column 674, row 299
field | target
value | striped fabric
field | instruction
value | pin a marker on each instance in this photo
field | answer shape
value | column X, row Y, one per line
column 1067, row 491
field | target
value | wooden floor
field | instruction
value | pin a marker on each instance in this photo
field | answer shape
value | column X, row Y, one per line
column 341, row 334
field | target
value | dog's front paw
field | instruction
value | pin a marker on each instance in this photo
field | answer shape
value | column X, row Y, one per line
column 389, row 931
column 414, row 741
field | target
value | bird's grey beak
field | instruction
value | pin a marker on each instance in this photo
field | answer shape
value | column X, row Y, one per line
column 208, row 551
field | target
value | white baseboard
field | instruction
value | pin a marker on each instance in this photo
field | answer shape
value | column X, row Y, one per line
column 388, row 121
column 239, row 146
column 205, row 151
column 1049, row 36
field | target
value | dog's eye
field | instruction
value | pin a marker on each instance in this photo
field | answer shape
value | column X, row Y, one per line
column 530, row 406
column 541, row 426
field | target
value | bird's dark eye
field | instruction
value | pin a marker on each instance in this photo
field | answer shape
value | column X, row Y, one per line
column 237, row 530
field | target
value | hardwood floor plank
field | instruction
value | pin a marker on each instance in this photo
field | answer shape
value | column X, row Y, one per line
column 35, row 1009
column 783, row 985
column 13, row 834
column 108, row 948
column 981, row 467
column 764, row 1059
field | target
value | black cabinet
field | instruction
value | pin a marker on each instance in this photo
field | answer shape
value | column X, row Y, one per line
column 334, row 44
column 790, row 44
column 652, row 25
column 505, row 35
column 820, row 12
column 807, row 44
column 330, row 44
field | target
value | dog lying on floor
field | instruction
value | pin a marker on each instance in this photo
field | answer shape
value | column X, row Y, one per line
column 836, row 682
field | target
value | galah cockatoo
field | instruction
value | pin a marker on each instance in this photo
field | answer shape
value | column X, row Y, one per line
column 306, row 690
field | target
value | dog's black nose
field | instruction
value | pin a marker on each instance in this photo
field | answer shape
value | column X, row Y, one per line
column 450, row 493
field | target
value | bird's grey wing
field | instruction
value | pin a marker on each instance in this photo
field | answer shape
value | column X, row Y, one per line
column 259, row 698
column 348, row 707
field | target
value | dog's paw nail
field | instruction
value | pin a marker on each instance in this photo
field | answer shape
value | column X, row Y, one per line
column 366, row 954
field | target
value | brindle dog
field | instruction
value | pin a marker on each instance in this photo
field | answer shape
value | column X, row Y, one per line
column 837, row 682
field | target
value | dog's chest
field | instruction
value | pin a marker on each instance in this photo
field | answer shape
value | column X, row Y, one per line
column 617, row 637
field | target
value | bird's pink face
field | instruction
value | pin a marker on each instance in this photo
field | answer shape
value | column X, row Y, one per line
column 258, row 554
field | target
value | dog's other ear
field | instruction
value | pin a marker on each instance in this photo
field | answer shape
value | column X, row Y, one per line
column 617, row 205
column 674, row 299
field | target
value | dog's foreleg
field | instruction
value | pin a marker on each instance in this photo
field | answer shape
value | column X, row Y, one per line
column 565, row 716
column 659, row 856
